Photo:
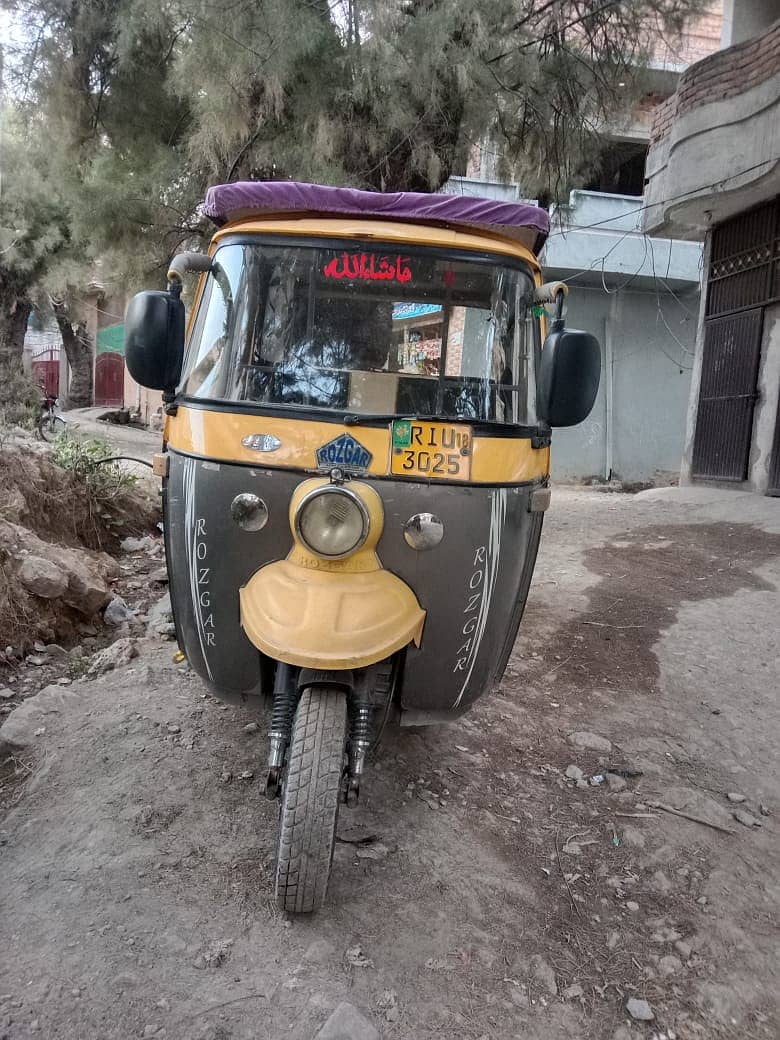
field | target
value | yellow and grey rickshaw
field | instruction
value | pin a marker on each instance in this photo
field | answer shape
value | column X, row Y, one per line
column 356, row 463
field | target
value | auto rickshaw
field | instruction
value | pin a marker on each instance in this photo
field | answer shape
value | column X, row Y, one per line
column 355, row 467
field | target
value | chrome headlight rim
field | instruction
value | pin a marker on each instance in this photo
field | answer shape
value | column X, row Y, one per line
column 332, row 489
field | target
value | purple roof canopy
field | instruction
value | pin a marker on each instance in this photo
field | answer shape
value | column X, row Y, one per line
column 517, row 220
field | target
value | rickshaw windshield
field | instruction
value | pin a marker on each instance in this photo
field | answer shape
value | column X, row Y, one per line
column 365, row 330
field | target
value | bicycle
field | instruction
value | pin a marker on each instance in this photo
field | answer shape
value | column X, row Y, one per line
column 50, row 424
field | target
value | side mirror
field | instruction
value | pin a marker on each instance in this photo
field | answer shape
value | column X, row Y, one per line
column 569, row 373
column 154, row 339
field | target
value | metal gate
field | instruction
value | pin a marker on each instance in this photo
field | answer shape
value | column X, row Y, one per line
column 742, row 278
column 110, row 379
column 774, row 464
column 46, row 370
column 732, row 348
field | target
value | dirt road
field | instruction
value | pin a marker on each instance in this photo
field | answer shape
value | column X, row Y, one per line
column 493, row 896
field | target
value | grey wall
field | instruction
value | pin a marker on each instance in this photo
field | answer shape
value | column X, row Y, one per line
column 651, row 374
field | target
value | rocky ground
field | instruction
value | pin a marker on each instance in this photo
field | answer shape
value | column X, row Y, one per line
column 591, row 852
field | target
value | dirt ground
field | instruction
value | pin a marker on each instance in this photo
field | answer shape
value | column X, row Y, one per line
column 478, row 892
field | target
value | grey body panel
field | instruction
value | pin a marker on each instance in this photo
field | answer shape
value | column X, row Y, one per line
column 473, row 585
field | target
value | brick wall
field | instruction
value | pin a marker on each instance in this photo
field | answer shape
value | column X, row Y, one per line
column 721, row 76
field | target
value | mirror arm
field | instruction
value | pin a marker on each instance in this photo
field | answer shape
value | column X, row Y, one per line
column 185, row 263
column 553, row 292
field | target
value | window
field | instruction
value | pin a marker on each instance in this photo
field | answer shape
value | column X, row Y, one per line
column 365, row 330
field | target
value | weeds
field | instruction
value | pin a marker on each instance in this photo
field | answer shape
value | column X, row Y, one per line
column 20, row 399
column 84, row 459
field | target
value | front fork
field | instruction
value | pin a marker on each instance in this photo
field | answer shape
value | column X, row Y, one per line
column 367, row 692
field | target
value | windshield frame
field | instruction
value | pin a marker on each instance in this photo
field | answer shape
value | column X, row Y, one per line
column 346, row 417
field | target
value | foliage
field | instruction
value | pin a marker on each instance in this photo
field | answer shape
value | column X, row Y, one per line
column 142, row 104
column 83, row 458
column 20, row 400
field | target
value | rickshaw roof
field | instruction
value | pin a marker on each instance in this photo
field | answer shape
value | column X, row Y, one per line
column 525, row 223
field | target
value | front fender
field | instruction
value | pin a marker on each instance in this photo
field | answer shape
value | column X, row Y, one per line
column 325, row 619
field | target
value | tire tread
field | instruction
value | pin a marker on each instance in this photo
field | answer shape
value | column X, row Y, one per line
column 310, row 800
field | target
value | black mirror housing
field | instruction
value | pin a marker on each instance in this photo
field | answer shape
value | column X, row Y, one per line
column 154, row 339
column 569, row 374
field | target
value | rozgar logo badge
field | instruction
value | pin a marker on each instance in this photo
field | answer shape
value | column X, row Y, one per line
column 345, row 453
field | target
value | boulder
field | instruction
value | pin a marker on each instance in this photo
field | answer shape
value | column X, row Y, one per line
column 42, row 577
column 114, row 656
column 586, row 741
column 81, row 578
column 117, row 612
column 159, row 616
column 346, row 1023
column 22, row 727
column 87, row 591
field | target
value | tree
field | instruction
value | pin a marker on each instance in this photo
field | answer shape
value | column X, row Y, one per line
column 33, row 234
column 392, row 95
column 144, row 104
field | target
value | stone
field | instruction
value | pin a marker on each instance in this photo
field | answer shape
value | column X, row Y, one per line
column 43, row 578
column 746, row 819
column 633, row 836
column 573, row 992
column 38, row 660
column 683, row 948
column 632, row 906
column 661, row 883
column 160, row 575
column 117, row 612
column 173, row 727
column 734, row 796
column 574, row 773
column 159, row 613
column 639, row 1010
column 251, row 727
column 670, row 965
column 87, row 591
column 130, row 545
column 5, row 693
column 544, row 975
column 114, row 656
column 586, row 741
column 665, row 935
column 21, row 726
column 375, row 851
column 615, row 783
column 347, row 1023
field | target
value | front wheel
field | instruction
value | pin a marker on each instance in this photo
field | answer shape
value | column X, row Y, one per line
column 310, row 800
column 51, row 426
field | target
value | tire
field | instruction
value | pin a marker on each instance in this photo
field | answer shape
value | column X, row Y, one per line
column 50, row 427
column 310, row 801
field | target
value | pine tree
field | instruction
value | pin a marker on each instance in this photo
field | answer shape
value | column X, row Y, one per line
column 138, row 106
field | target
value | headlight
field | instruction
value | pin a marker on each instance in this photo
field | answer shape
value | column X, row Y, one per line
column 332, row 522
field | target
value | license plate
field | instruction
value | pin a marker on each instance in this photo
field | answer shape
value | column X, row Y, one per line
column 431, row 449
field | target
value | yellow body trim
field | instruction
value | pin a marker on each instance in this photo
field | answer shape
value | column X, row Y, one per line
column 324, row 619
column 217, row 435
column 399, row 232
column 317, row 613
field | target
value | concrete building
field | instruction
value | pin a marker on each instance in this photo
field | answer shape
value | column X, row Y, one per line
column 638, row 294
column 714, row 175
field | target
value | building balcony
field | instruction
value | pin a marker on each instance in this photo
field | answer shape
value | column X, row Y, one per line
column 715, row 143
column 598, row 240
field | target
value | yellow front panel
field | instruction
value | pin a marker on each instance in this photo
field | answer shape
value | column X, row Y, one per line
column 218, row 435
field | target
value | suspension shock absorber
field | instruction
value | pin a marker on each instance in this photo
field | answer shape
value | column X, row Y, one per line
column 285, row 702
column 361, row 737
